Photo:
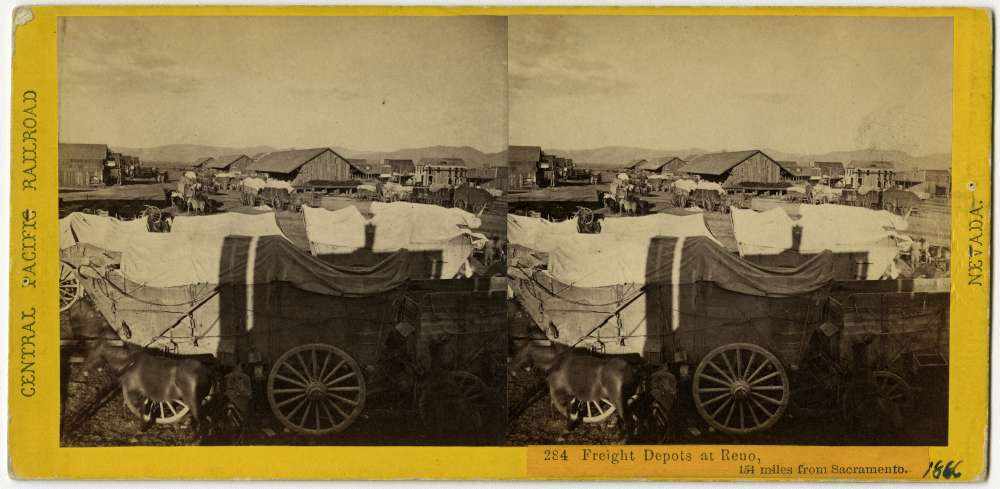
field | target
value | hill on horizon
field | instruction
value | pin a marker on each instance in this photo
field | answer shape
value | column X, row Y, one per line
column 192, row 152
column 618, row 156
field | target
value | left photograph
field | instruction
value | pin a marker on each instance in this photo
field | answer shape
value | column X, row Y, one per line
column 282, row 231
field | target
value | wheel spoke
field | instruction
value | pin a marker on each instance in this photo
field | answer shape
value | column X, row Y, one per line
column 305, row 367
column 335, row 406
column 713, row 389
column 762, row 408
column 721, row 407
column 589, row 413
column 717, row 369
column 302, row 402
column 344, row 389
column 729, row 414
column 329, row 415
column 759, row 367
column 291, row 399
column 766, row 377
column 716, row 379
column 341, row 378
column 305, row 413
column 173, row 412
column 729, row 367
column 335, row 369
column 717, row 398
column 290, row 380
column 756, row 420
column 738, row 361
column 742, row 420
column 746, row 370
column 288, row 391
column 162, row 414
column 322, row 370
column 766, row 398
column 301, row 377
column 342, row 399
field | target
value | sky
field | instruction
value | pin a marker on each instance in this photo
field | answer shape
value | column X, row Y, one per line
column 796, row 84
column 365, row 83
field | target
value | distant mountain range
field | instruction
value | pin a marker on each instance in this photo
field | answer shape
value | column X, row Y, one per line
column 603, row 157
column 617, row 156
column 191, row 152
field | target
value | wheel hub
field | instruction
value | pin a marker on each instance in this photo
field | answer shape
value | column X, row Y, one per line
column 315, row 391
column 740, row 390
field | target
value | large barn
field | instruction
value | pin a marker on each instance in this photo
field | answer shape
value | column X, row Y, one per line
column 664, row 166
column 229, row 163
column 736, row 167
column 83, row 165
column 301, row 166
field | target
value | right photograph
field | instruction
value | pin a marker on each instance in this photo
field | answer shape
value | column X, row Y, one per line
column 729, row 230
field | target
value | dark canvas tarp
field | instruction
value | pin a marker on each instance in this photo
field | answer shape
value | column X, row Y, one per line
column 703, row 260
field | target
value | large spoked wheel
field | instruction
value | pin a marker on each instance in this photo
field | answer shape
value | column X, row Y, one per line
column 70, row 289
column 586, row 216
column 740, row 388
column 593, row 411
column 165, row 412
column 316, row 389
column 893, row 388
column 450, row 395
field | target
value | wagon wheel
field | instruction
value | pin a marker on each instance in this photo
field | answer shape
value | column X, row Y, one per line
column 593, row 411
column 443, row 397
column 740, row 388
column 169, row 412
column 70, row 289
column 316, row 389
column 461, row 204
column 893, row 388
column 586, row 216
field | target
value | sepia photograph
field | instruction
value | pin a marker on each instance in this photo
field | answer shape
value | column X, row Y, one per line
column 282, row 230
column 729, row 230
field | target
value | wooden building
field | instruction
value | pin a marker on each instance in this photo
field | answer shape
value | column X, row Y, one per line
column 666, row 165
column 831, row 172
column 304, row 166
column 202, row 162
column 523, row 162
column 875, row 174
column 83, row 165
column 235, row 164
column 402, row 169
column 635, row 164
column 800, row 173
column 734, row 168
column 440, row 171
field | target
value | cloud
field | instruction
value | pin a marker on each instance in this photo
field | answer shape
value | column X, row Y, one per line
column 547, row 59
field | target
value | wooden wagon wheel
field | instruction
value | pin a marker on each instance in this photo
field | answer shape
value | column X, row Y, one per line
column 740, row 388
column 168, row 412
column 893, row 388
column 586, row 216
column 439, row 399
column 316, row 389
column 70, row 289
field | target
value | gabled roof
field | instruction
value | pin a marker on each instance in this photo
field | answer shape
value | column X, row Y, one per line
column 830, row 168
column 359, row 164
column 718, row 163
column 442, row 162
column 286, row 161
column 402, row 167
column 223, row 162
column 879, row 165
column 73, row 151
column 656, row 164
column 635, row 163
column 202, row 161
column 516, row 154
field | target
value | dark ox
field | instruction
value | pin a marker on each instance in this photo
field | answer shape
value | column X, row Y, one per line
column 576, row 376
column 144, row 374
